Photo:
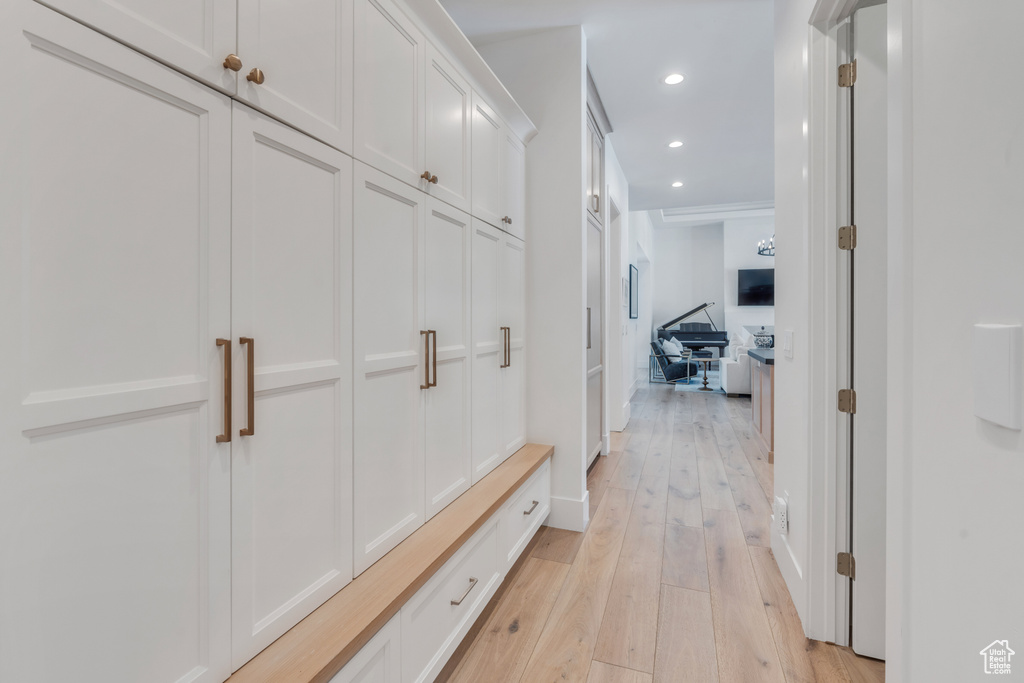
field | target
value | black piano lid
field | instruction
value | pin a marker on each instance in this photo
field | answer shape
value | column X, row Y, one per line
column 688, row 314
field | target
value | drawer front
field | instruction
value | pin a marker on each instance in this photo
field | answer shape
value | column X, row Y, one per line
column 520, row 518
column 380, row 660
column 431, row 625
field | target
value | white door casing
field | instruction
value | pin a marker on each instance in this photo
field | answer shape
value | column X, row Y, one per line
column 304, row 49
column 488, row 349
column 389, row 364
column 595, row 337
column 292, row 295
column 114, row 493
column 447, row 245
column 448, row 131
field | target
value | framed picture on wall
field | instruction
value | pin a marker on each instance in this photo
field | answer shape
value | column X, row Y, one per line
column 634, row 292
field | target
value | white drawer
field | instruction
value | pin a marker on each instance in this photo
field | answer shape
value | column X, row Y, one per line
column 379, row 661
column 523, row 514
column 432, row 626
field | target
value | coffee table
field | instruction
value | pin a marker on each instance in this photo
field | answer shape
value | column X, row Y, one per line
column 705, row 361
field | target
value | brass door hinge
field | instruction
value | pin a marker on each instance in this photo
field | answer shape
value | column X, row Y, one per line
column 846, row 566
column 848, row 74
column 848, row 401
column 848, row 237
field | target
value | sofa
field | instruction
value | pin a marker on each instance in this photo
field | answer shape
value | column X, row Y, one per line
column 734, row 367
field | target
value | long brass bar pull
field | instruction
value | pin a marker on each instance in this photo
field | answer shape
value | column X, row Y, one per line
column 250, row 373
column 433, row 357
column 472, row 585
column 426, row 359
column 588, row 328
column 530, row 511
column 226, row 436
column 504, row 347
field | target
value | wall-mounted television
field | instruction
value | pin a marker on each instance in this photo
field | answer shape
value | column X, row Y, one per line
column 756, row 287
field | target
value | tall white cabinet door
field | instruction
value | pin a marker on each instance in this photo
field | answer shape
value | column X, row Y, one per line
column 449, row 107
column 195, row 36
column 389, row 92
column 488, row 139
column 513, row 316
column 446, row 259
column 513, row 185
column 114, row 492
column 304, row 49
column 488, row 350
column 292, row 296
column 390, row 364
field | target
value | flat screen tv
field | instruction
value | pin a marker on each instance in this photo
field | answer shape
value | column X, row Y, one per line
column 756, row 287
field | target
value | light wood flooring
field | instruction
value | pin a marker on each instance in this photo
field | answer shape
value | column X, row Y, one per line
column 673, row 581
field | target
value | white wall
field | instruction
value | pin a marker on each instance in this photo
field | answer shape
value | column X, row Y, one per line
column 740, row 237
column 619, row 366
column 546, row 73
column 641, row 246
column 689, row 270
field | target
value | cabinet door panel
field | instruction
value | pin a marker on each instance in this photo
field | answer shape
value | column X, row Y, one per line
column 192, row 35
column 379, row 661
column 512, row 286
column 291, row 293
column 304, row 48
column 389, row 92
column 114, row 494
column 446, row 256
column 488, row 136
column 389, row 365
column 514, row 185
column 449, row 107
column 488, row 351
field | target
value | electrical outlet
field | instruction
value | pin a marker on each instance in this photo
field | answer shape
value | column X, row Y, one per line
column 780, row 515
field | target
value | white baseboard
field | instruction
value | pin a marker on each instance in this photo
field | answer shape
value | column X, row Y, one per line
column 566, row 513
column 606, row 443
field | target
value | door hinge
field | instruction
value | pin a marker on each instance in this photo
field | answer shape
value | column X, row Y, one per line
column 845, row 565
column 848, row 74
column 848, row 237
column 848, row 401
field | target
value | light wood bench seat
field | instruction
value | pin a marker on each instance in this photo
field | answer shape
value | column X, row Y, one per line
column 316, row 648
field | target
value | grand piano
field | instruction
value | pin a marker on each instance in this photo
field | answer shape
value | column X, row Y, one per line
column 697, row 336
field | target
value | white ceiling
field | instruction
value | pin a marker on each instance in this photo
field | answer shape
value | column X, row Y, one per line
column 723, row 111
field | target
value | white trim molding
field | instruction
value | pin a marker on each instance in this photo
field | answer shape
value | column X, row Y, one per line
column 570, row 514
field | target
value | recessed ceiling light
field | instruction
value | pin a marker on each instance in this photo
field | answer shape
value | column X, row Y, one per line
column 674, row 79
column 676, row 143
column 677, row 184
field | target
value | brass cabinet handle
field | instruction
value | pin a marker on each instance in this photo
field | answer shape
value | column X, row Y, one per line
column 426, row 359
column 597, row 203
column 508, row 347
column 504, row 343
column 251, row 379
column 256, row 76
column 226, row 436
column 233, row 62
column 532, row 508
column 425, row 175
column 433, row 179
column 588, row 328
column 472, row 585
column 433, row 335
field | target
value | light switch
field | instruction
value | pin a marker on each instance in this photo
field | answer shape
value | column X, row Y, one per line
column 996, row 365
column 787, row 344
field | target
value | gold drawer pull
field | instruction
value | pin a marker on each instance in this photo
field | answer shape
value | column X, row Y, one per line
column 472, row 585
column 256, row 76
column 534, row 507
column 226, row 436
column 233, row 62
column 251, row 379
column 428, row 177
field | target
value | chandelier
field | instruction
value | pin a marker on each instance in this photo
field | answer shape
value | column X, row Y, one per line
column 766, row 248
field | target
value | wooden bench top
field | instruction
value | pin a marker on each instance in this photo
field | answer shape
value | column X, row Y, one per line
column 320, row 645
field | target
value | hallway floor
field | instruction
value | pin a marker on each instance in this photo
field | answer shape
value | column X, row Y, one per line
column 672, row 582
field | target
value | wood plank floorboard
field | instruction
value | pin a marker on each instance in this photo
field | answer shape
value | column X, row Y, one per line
column 672, row 582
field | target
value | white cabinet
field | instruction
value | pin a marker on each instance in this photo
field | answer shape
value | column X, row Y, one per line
column 595, row 169
column 391, row 360
column 448, row 109
column 379, row 661
column 498, row 347
column 488, row 141
column 446, row 272
column 114, row 492
column 297, row 64
column 513, row 186
column 522, row 515
column 291, row 320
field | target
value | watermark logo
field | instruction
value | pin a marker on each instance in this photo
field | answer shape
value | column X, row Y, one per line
column 997, row 657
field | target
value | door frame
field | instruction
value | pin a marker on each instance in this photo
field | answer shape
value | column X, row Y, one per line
column 827, row 497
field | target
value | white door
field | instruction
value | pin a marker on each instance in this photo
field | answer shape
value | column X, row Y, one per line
column 512, row 286
column 514, row 186
column 304, row 50
column 389, row 92
column 488, row 139
column 594, row 335
column 114, row 490
column 448, row 108
column 488, row 349
column 390, row 364
column 869, row 329
column 195, row 37
column 446, row 268
column 291, row 307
